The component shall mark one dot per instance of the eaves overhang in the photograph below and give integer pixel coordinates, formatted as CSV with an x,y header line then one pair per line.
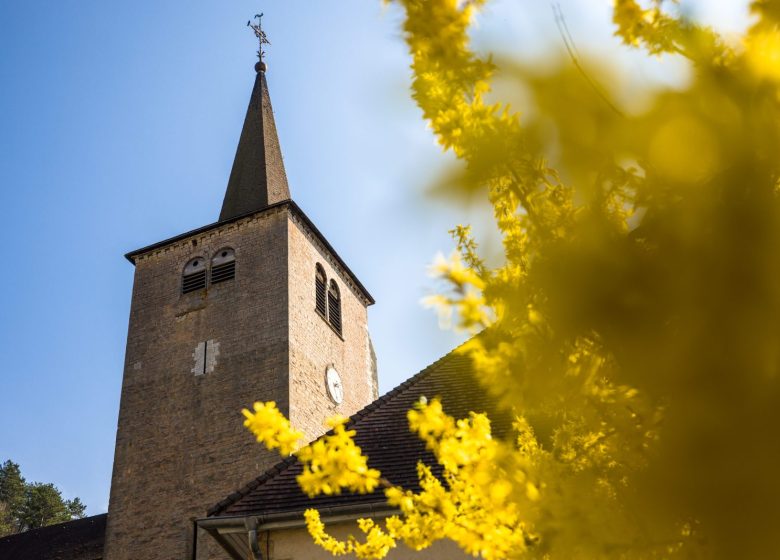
x,y
238,535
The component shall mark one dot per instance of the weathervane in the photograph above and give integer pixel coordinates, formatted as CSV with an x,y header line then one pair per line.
x,y
260,34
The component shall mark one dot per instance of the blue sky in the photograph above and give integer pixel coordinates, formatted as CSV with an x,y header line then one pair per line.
x,y
118,125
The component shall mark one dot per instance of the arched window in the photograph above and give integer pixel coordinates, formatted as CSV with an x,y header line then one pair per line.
x,y
194,276
320,281
334,306
223,265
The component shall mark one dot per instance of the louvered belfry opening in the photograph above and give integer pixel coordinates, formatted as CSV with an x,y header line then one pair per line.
x,y
334,306
223,266
194,276
320,282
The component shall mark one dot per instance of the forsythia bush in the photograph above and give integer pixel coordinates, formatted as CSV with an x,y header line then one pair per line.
x,y
634,327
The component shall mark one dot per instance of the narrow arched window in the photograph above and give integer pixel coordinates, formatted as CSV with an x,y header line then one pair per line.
x,y
194,276
319,289
334,306
223,265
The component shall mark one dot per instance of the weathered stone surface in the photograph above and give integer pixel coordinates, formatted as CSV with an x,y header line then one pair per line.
x,y
314,345
181,446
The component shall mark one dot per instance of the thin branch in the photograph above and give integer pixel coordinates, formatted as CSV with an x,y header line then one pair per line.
x,y
571,48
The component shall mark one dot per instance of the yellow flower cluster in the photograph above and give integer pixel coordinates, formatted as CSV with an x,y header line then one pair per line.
x,y
475,504
661,33
377,544
762,43
271,427
632,328
471,503
334,462
466,300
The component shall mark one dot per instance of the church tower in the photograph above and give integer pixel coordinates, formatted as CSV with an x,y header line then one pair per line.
x,y
257,306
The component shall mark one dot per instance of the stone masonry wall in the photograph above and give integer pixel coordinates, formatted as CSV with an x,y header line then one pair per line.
x,y
181,446
314,345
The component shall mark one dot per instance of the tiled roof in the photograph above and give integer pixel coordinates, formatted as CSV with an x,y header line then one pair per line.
x,y
383,435
81,539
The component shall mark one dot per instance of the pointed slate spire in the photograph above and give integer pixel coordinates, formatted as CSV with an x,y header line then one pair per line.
x,y
258,178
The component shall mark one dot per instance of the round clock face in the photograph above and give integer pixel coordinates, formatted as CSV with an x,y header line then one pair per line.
x,y
333,382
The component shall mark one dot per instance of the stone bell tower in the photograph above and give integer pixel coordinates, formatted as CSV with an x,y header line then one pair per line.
x,y
257,306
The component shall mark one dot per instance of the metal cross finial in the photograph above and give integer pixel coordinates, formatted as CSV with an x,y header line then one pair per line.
x,y
260,34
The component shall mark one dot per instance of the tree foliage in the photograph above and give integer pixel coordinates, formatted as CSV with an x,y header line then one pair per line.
x,y
30,505
634,325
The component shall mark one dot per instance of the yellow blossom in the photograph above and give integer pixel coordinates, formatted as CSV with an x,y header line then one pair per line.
x,y
271,428
334,462
632,327
763,53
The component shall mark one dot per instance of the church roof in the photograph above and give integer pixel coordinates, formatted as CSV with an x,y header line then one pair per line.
x,y
382,432
81,539
257,179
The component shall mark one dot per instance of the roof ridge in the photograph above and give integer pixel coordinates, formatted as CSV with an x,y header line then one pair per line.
x,y
351,421
31,532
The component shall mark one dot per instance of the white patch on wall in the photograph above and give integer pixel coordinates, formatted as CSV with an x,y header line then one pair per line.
x,y
205,357
372,376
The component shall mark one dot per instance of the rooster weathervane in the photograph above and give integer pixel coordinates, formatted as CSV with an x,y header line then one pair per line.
x,y
260,34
